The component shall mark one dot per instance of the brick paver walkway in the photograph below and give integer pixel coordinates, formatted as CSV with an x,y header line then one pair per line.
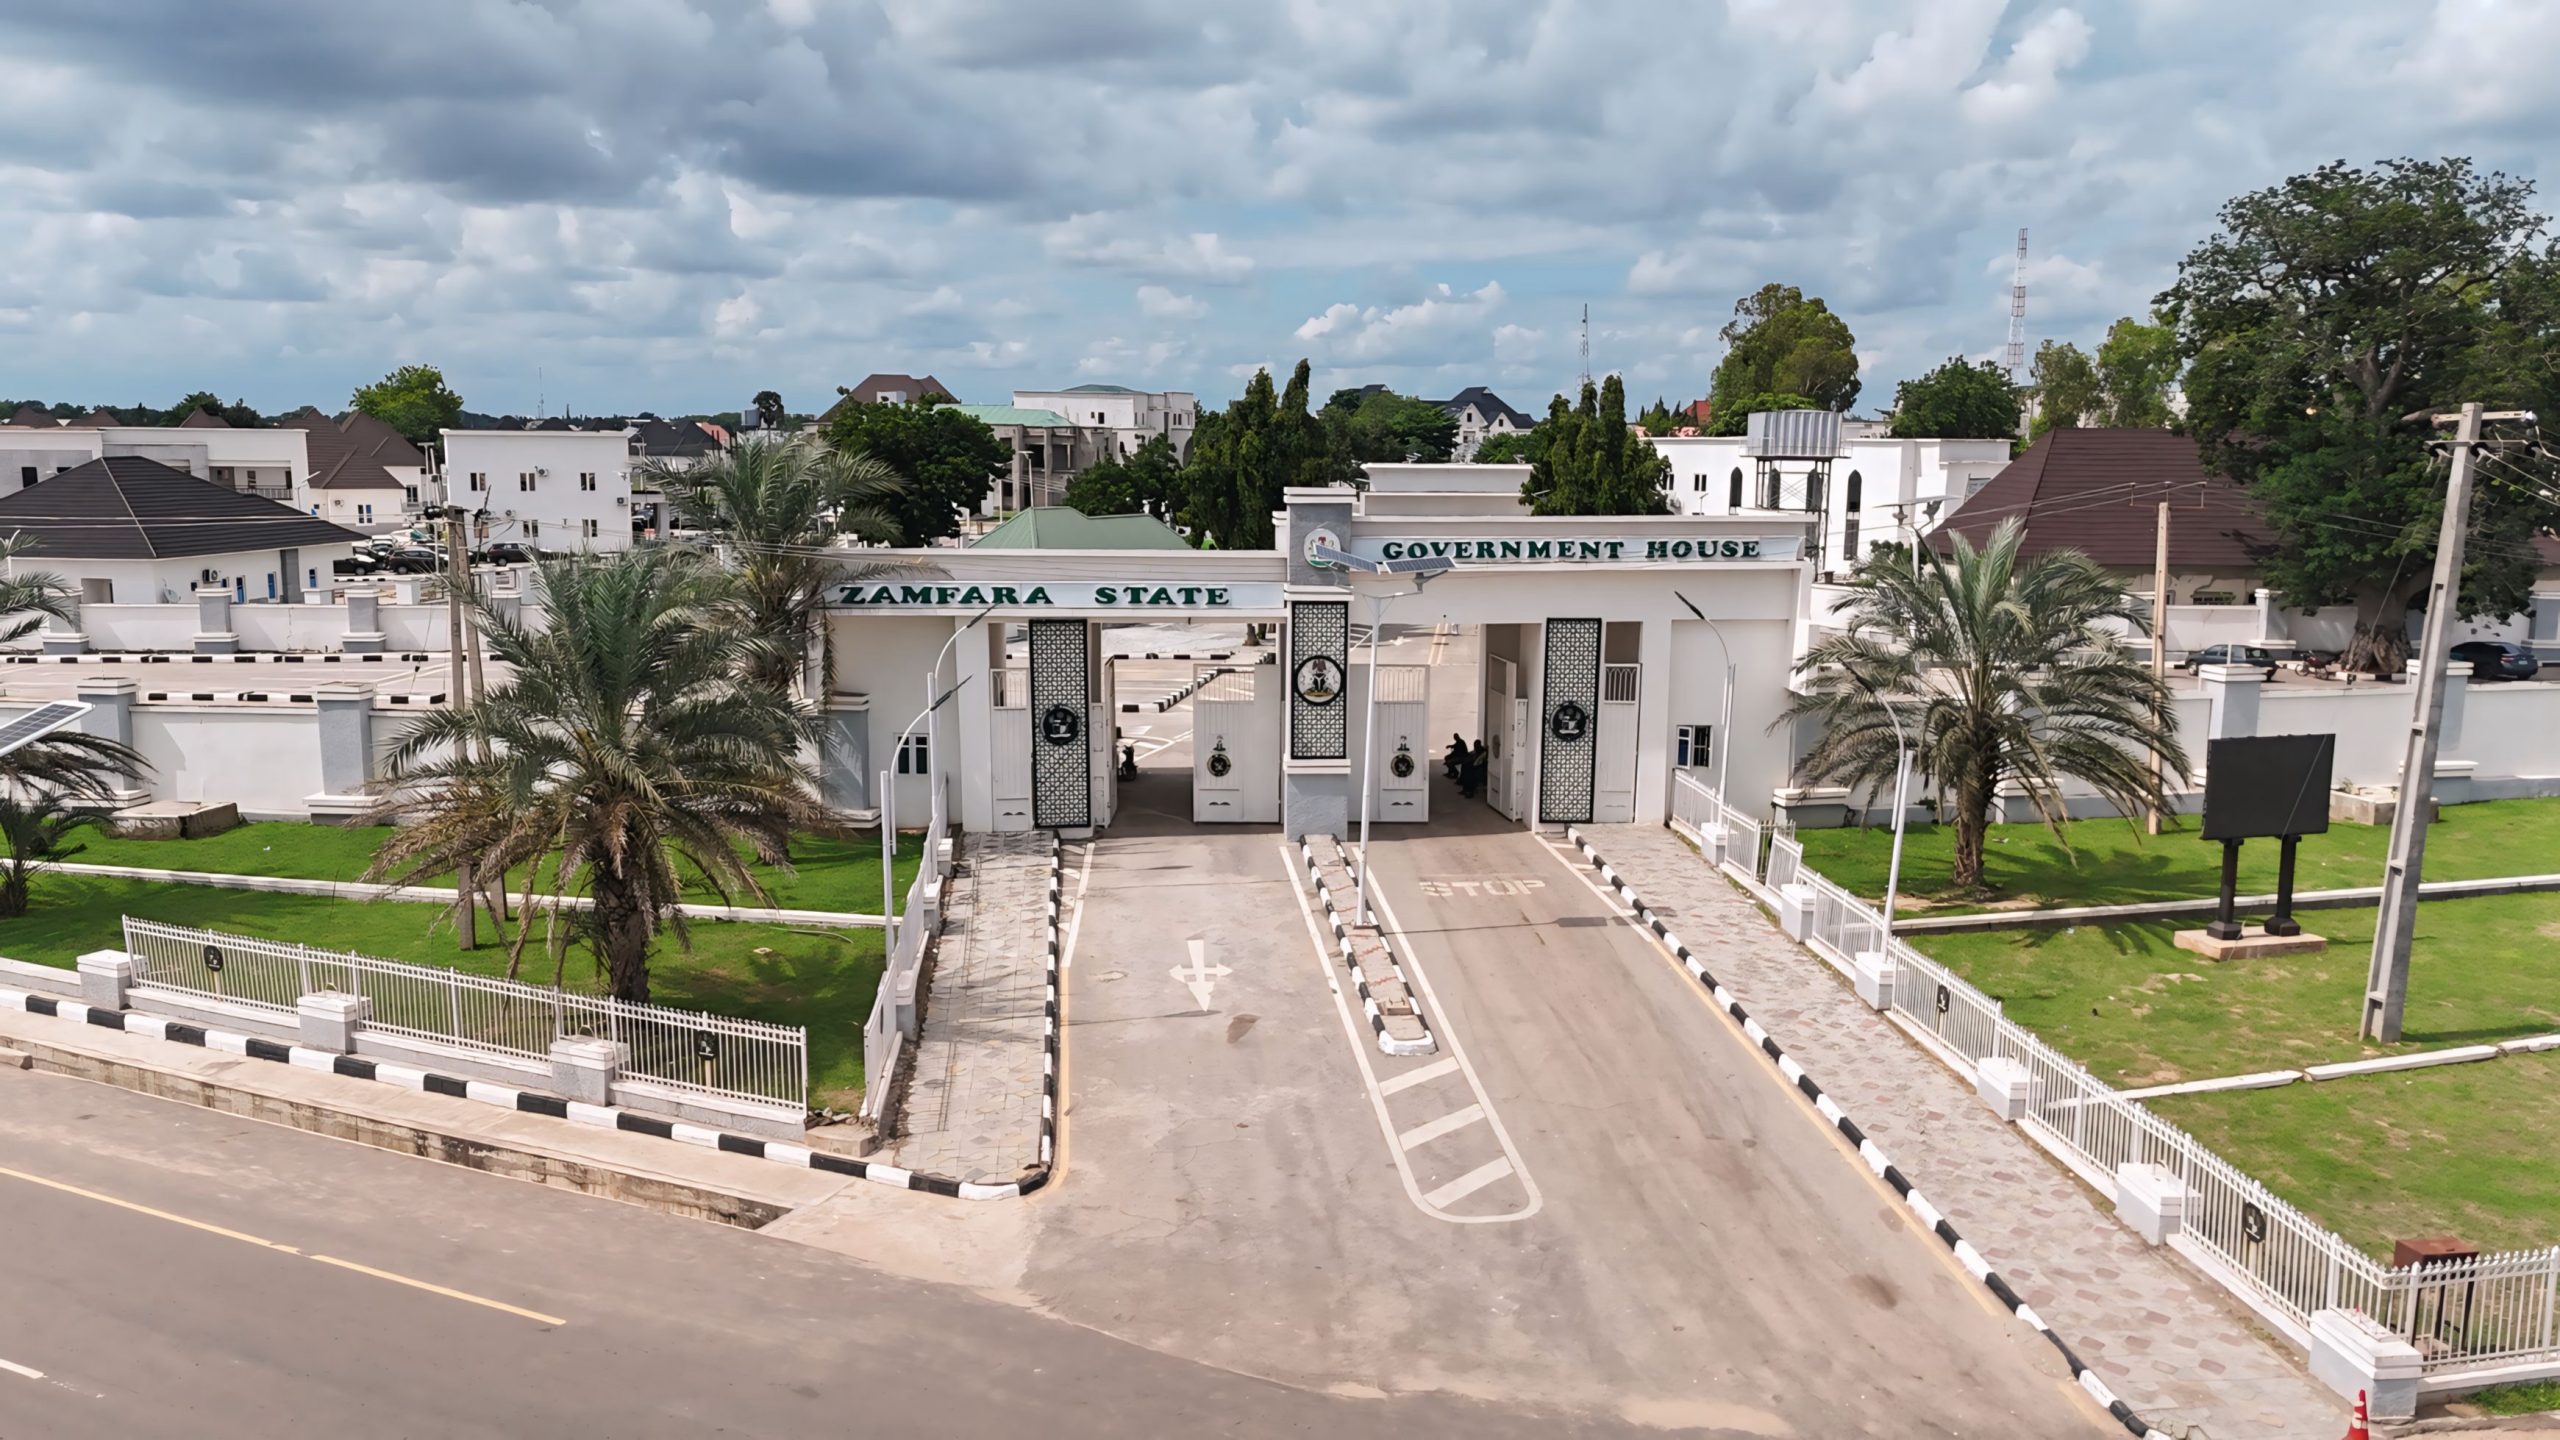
x,y
973,1108
2164,1337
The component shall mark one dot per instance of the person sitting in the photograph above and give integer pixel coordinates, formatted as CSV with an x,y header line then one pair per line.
x,y
1471,777
1456,760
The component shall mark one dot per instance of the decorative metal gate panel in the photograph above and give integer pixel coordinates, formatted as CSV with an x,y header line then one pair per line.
x,y
1061,704
1319,678
1569,735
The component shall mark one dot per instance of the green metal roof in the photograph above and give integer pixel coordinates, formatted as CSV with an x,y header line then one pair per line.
x,y
1055,527
1011,415
1097,390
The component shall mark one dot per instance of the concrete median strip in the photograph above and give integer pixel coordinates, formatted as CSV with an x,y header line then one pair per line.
x,y
607,1117
1868,1151
1391,1044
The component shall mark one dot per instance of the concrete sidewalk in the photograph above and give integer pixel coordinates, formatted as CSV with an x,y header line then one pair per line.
x,y
661,1174
2163,1337
972,1110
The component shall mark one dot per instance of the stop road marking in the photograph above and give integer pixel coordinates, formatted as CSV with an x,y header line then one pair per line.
x,y
1489,885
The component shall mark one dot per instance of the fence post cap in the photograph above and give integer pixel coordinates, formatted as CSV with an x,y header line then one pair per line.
x,y
104,962
589,1050
334,1005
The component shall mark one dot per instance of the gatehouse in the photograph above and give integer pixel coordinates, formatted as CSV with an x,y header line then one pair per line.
x,y
1597,654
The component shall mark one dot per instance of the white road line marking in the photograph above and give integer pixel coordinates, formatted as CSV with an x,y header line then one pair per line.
x,y
1469,1183
14,1368
1358,1036
1075,927
1430,1130
1411,1078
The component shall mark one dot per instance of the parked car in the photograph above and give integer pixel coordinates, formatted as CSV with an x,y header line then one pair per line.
x,y
2497,659
2231,655
507,552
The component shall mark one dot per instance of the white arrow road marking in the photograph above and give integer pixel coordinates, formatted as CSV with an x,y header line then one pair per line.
x,y
1200,976
15,1368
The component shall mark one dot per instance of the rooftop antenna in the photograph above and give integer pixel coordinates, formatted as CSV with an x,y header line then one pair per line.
x,y
1586,344
2018,310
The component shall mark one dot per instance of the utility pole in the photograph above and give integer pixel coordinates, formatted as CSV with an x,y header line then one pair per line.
x,y
2386,987
466,911
2159,637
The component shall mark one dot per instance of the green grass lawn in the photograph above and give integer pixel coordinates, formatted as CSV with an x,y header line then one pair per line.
x,y
2122,999
2531,1399
2468,1150
2111,862
827,873
821,979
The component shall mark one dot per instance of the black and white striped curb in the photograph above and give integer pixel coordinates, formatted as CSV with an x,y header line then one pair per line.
x,y
1868,1151
255,657
281,697
1162,704
603,1117
1360,978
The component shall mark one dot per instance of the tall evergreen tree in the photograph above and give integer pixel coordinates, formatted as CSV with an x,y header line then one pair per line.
x,y
1592,463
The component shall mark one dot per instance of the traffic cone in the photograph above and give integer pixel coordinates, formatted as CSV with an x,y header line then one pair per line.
x,y
2356,1427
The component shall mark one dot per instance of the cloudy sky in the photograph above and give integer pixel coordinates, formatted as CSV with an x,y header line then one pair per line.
x,y
670,204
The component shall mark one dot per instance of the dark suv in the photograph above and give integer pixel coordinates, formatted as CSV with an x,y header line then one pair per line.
x,y
2497,660
2231,655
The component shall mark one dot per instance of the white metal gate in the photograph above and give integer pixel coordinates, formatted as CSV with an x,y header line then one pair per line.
x,y
1613,795
1010,733
1235,746
1503,779
1403,745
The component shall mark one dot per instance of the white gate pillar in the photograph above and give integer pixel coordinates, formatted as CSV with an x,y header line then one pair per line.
x,y
1653,725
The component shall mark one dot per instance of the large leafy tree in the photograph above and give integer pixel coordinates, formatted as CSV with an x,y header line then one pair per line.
x,y
1148,482
1960,400
1735,419
2323,314
2001,670
628,752
2137,371
413,400
1363,426
947,458
769,409
1782,343
1511,447
775,508
1592,463
1244,456
2065,383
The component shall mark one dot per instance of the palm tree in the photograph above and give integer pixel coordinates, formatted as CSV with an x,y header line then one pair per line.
x,y
28,597
778,505
2002,670
631,752
48,789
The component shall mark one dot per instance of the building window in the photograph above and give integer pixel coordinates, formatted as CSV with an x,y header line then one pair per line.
x,y
253,479
914,757
314,582
586,480
524,480
1700,483
240,589
26,474
1857,491
479,480
593,529
1733,485
1849,540
533,529
1695,746
222,473
364,514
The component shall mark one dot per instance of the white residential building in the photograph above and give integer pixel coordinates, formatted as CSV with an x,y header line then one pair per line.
x,y
1870,491
1132,416
271,464
555,489
1481,415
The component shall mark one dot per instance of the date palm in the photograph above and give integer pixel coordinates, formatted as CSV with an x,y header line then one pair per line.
x,y
630,754
2002,670
27,597
49,788
775,508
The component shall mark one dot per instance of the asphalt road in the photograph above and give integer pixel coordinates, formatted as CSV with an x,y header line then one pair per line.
x,y
162,1275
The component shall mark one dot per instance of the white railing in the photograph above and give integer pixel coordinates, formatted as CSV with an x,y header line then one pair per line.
x,y
2496,1308
684,1049
1696,806
884,1033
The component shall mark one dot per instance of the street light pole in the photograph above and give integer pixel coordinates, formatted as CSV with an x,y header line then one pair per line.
x,y
1901,783
1724,709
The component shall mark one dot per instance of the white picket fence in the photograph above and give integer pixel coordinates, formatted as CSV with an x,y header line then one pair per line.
x,y
2496,1310
884,1036
1696,806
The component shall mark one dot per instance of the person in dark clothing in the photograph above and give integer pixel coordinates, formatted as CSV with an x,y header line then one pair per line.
x,y
1456,760
1471,775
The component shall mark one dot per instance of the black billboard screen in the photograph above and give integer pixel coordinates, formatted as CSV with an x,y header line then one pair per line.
x,y
2267,785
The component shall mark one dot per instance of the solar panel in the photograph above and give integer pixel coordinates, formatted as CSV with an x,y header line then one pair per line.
x,y
40,722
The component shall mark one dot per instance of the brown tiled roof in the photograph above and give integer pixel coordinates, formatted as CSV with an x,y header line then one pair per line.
x,y
203,420
913,386
350,454
30,415
2098,492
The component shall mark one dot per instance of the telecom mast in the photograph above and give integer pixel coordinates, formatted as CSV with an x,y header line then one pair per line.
x,y
1586,344
2018,311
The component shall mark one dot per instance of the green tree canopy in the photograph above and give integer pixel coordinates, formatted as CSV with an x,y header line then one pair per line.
x,y
1736,420
770,413
1244,456
1591,464
1781,343
2065,384
1960,400
947,459
2137,368
413,400
1149,482
1366,426
1657,418
2325,310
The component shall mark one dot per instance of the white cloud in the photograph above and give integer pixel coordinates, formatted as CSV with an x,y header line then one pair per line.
x,y
1411,333
736,317
1095,239
2031,77
943,301
1158,303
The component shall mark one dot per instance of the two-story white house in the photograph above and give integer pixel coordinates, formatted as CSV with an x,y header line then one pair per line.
x,y
1869,490
270,464
556,489
1481,415
1132,416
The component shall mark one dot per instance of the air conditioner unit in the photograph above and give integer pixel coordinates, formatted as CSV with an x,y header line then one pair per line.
x,y
621,501
211,576
508,514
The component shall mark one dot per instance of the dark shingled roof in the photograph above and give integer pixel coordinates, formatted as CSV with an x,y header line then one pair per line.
x,y
32,415
2099,492
1491,406
350,453
128,508
203,420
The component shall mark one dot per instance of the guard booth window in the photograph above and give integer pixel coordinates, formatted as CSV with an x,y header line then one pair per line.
x,y
913,756
1696,746
1733,501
